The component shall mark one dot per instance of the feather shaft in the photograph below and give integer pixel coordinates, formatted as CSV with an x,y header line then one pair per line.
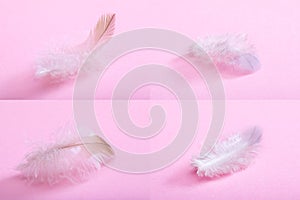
x,y
72,159
64,63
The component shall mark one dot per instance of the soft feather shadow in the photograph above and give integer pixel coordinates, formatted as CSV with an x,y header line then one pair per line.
x,y
26,86
15,187
187,177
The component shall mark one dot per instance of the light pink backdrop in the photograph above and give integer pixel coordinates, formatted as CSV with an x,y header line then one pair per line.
x,y
273,26
274,175
26,27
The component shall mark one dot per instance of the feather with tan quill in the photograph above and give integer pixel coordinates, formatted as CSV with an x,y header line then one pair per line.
x,y
69,158
62,63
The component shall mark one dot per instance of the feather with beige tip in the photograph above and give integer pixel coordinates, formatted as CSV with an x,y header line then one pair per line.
x,y
62,63
69,158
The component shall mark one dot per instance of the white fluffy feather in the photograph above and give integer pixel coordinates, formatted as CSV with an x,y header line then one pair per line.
x,y
232,54
64,62
65,159
60,63
229,156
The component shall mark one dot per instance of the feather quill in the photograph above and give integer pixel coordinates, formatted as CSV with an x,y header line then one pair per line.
x,y
64,62
233,55
231,155
70,158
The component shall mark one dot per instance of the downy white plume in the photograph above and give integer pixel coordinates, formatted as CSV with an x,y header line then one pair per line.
x,y
70,158
231,155
233,55
64,62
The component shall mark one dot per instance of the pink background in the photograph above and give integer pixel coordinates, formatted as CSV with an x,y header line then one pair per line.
x,y
273,175
28,26
268,98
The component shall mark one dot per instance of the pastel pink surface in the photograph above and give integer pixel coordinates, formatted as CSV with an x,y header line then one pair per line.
x,y
27,26
273,175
